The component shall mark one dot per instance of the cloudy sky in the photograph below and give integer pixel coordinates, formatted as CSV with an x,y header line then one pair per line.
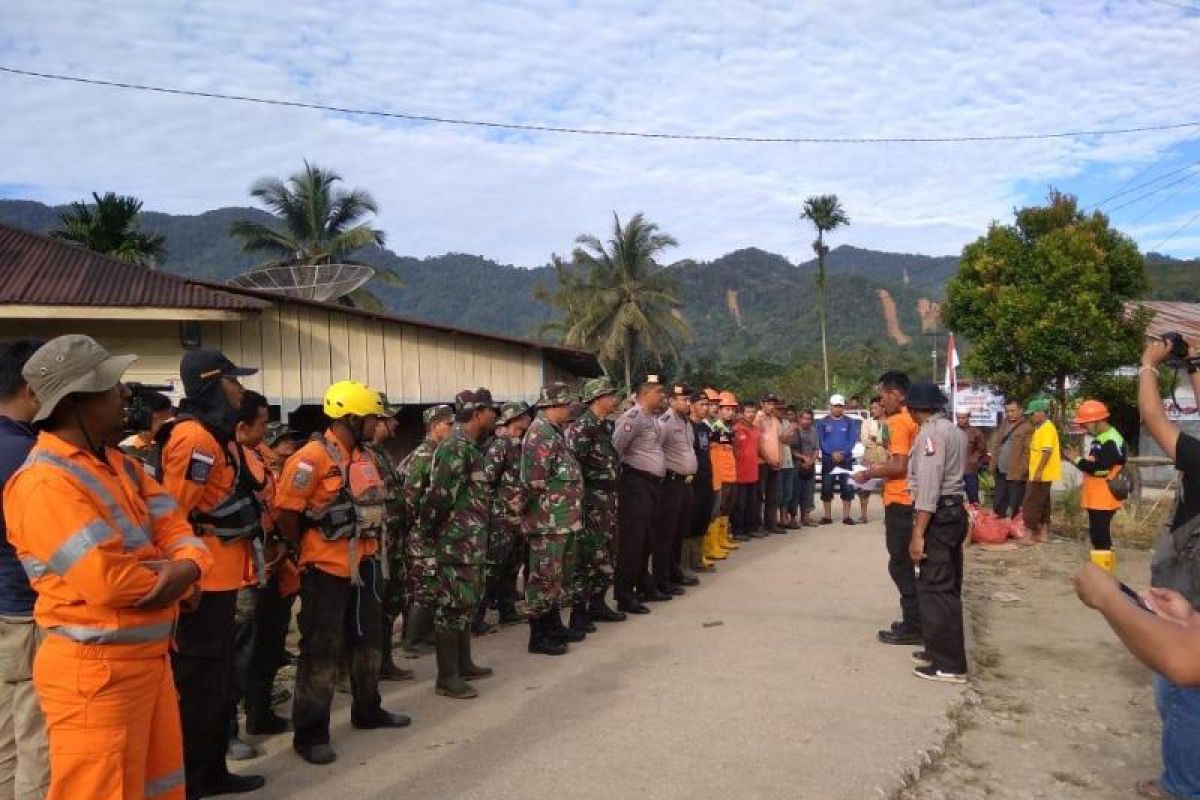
x,y
800,68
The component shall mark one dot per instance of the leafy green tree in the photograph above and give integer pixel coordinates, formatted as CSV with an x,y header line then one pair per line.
x,y
109,226
826,214
617,300
320,224
1044,299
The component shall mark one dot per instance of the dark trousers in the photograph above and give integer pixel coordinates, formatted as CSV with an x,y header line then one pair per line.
x,y
705,505
1009,496
939,589
745,498
672,518
898,525
1100,529
637,498
768,487
806,491
204,677
789,499
971,486
263,618
337,618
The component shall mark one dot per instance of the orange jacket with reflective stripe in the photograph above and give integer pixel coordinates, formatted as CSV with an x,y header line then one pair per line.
x,y
310,480
82,528
191,445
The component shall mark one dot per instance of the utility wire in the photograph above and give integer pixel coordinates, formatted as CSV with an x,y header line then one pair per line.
x,y
1150,193
1184,6
1124,191
1186,187
1175,233
512,126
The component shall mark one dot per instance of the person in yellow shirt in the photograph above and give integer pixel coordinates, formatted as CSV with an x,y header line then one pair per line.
x,y
1045,467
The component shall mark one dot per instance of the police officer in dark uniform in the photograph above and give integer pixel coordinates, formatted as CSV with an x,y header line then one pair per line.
x,y
675,498
935,480
637,438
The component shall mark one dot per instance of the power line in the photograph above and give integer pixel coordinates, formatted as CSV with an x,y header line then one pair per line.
x,y
1150,193
1173,4
1123,191
1186,187
512,126
1175,233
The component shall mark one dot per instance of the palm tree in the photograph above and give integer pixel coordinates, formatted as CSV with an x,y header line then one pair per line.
x,y
322,224
110,227
624,302
825,212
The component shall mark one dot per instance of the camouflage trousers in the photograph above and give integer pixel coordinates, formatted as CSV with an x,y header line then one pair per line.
x,y
457,591
549,571
503,536
593,562
419,587
395,586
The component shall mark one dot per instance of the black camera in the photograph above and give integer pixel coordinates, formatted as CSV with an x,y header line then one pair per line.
x,y
144,400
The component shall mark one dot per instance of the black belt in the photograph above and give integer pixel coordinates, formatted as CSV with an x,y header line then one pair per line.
x,y
678,476
947,500
641,473
600,484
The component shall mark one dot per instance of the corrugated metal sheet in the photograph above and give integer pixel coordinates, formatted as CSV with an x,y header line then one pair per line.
x,y
38,270
1174,316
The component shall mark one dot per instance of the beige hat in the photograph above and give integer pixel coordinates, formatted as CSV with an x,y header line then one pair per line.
x,y
69,364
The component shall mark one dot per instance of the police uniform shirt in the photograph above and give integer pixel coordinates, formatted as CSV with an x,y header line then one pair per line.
x,y
637,437
935,465
678,444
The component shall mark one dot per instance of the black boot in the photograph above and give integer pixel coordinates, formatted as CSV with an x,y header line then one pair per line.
x,y
450,682
263,721
598,610
417,627
580,620
466,667
560,632
509,614
388,670
480,626
539,640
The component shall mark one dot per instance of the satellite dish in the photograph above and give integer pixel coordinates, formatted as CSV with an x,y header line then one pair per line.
x,y
320,282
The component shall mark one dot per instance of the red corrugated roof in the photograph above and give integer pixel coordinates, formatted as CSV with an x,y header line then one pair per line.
x,y
38,270
1170,315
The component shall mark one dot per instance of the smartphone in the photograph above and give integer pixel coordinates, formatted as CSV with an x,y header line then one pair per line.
x,y
1134,596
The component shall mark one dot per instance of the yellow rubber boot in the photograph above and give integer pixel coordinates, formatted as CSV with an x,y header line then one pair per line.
x,y
725,539
718,536
711,551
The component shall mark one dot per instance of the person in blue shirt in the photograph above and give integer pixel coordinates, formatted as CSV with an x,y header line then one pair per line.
x,y
25,768
837,434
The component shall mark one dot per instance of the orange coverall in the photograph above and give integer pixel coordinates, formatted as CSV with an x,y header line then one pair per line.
x,y
82,528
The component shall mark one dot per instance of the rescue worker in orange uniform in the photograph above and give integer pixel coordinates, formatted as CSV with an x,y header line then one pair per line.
x,y
1104,460
200,463
331,504
111,556
264,608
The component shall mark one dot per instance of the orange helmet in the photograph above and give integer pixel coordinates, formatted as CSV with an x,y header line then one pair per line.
x,y
712,395
728,400
1091,411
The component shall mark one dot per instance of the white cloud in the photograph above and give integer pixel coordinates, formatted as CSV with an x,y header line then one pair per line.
x,y
755,68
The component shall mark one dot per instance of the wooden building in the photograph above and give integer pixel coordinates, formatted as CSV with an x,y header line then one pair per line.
x,y
48,288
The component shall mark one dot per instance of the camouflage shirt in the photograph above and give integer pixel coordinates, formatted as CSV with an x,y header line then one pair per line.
x,y
590,441
552,480
394,487
457,505
502,466
414,472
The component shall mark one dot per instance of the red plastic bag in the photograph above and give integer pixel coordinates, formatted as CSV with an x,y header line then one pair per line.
x,y
990,529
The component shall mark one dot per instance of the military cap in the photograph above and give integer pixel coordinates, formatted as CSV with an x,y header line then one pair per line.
x,y
436,413
470,400
513,409
555,394
597,388
925,396
771,397
680,390
699,397
278,431
390,409
652,380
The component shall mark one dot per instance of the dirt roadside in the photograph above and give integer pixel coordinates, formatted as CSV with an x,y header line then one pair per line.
x,y
1059,709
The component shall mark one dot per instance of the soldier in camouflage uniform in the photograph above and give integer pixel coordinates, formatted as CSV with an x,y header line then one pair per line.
x,y
554,517
590,441
502,466
418,586
453,515
391,550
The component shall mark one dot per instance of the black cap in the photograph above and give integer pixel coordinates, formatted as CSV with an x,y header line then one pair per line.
x,y
698,397
680,390
198,367
925,396
771,397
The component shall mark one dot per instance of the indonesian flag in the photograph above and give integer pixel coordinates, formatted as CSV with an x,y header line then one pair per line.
x,y
952,363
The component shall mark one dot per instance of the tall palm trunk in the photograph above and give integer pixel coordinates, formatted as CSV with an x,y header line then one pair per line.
x,y
821,303
628,361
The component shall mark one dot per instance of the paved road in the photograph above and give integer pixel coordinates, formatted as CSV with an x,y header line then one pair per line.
x,y
765,682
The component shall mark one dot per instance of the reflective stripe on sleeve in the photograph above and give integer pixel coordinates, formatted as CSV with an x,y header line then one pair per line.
x,y
33,567
161,505
136,634
78,545
160,786
134,535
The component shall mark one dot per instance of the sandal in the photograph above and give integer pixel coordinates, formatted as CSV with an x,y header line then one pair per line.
x,y
1150,788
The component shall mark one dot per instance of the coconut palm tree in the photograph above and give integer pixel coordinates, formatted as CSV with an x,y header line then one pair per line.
x,y
110,227
622,303
321,224
825,212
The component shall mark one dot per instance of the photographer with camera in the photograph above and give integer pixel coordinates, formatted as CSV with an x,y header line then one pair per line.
x,y
148,409
1167,641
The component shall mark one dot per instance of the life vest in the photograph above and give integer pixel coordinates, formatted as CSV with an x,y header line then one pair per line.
x,y
239,515
359,509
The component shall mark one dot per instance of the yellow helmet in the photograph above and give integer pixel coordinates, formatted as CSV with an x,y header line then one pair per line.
x,y
352,397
